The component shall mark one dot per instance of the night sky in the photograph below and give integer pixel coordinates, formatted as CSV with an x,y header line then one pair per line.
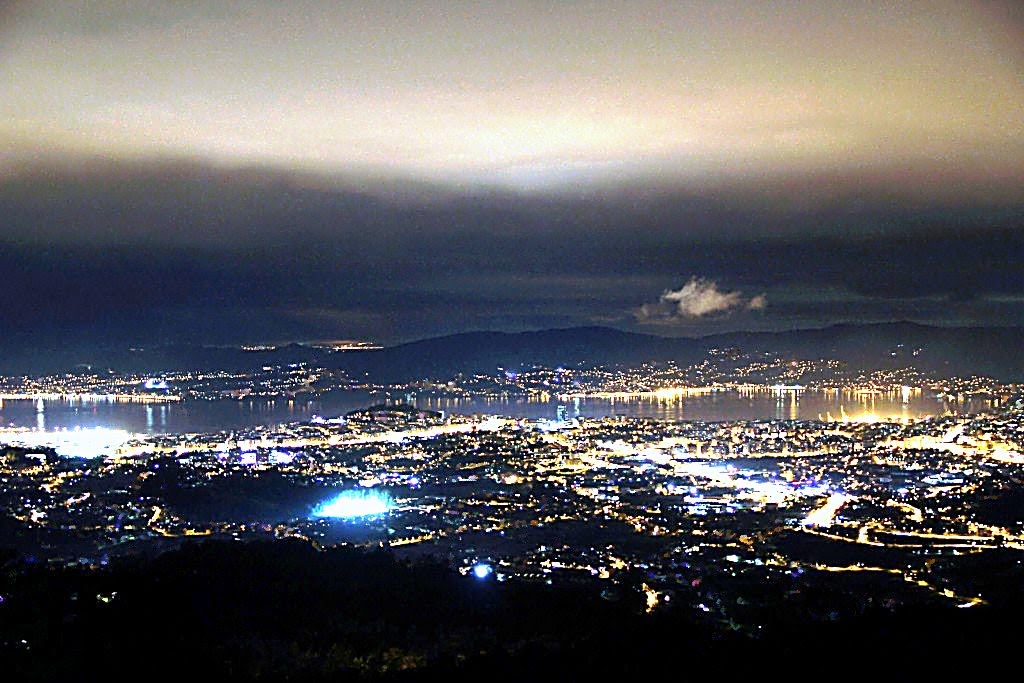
x,y
248,172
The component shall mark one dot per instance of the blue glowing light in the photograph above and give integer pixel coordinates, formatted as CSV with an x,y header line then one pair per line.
x,y
354,504
482,571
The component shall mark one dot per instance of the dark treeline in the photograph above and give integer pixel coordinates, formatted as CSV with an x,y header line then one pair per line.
x,y
286,611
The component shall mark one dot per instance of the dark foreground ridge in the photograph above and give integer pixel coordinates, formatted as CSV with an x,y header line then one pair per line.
x,y
285,610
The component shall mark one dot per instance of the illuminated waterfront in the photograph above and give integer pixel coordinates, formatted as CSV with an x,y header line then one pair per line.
x,y
173,418
201,416
713,406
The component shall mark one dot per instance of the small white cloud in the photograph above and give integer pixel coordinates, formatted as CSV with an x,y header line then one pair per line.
x,y
698,298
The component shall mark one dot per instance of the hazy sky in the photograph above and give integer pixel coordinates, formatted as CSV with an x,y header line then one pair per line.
x,y
398,169
525,93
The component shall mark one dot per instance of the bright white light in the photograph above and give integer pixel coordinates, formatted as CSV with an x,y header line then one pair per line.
x,y
482,571
281,457
824,515
73,443
354,504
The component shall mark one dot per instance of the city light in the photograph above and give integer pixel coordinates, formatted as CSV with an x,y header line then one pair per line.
x,y
281,458
354,504
72,443
823,516
482,571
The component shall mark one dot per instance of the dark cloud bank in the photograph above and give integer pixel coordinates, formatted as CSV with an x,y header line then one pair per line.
x,y
108,253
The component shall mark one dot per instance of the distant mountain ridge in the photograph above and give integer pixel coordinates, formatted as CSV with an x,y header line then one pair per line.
x,y
998,352
963,351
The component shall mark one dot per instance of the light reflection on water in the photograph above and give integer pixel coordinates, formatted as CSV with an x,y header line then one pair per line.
x,y
206,416
723,405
